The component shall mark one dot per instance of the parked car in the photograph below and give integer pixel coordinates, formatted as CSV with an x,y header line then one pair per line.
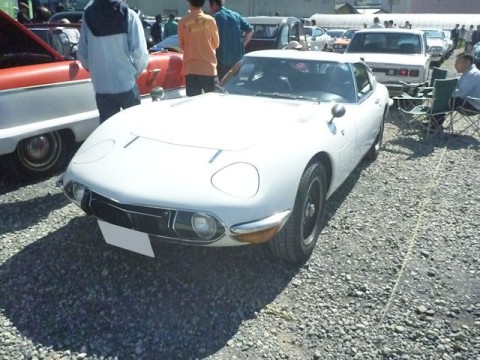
x,y
47,100
395,55
73,16
317,38
275,32
58,37
334,35
448,38
169,43
341,44
247,178
437,45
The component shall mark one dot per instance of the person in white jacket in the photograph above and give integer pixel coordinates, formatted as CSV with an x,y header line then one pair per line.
x,y
113,49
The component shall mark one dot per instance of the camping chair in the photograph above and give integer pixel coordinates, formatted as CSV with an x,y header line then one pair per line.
x,y
414,94
423,89
437,106
466,118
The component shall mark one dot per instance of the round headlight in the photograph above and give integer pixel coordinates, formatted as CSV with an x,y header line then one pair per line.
x,y
204,225
78,191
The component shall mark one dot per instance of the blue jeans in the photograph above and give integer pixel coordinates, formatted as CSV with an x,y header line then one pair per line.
x,y
110,104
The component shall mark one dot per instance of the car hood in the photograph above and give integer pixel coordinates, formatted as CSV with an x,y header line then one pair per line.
x,y
396,60
173,148
217,121
342,41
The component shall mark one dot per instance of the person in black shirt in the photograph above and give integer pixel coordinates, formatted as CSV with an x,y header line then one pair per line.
x,y
22,15
156,30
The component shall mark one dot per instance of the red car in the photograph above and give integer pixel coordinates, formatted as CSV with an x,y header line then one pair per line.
x,y
47,99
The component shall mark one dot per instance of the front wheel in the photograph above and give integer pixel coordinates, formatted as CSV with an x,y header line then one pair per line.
x,y
42,154
296,241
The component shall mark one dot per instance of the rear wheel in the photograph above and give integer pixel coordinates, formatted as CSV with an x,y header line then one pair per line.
x,y
43,154
296,241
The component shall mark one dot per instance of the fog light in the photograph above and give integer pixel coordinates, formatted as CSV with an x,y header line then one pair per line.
x,y
204,225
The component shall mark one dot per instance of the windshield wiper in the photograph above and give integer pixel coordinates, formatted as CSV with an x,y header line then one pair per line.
x,y
286,96
220,89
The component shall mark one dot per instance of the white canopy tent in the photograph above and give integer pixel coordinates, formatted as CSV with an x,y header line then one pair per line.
x,y
433,21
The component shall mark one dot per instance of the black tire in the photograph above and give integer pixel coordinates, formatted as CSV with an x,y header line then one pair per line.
x,y
374,150
296,241
43,154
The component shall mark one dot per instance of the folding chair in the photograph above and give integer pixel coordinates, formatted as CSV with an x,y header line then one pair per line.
x,y
425,88
429,110
414,94
466,118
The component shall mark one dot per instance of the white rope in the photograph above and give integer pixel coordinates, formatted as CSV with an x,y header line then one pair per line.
x,y
413,239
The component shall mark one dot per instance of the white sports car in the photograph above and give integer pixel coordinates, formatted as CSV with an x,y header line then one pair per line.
x,y
252,163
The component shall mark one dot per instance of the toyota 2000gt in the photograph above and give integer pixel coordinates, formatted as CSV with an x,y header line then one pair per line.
x,y
214,170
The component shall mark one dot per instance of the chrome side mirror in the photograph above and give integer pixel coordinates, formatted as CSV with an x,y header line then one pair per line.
x,y
338,110
157,93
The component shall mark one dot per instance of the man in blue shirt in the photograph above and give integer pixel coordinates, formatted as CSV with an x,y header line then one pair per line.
x,y
235,33
468,86
113,49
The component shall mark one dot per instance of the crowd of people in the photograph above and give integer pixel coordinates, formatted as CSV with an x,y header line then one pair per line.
x,y
465,38
112,48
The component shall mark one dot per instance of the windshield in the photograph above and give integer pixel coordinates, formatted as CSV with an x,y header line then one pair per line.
x,y
313,31
265,31
348,34
335,33
386,43
433,34
309,80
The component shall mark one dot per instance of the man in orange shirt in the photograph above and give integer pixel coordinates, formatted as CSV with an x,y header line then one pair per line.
x,y
198,38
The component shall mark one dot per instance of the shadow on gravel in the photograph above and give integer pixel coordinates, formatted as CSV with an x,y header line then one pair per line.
x,y
339,196
71,291
413,147
11,179
13,218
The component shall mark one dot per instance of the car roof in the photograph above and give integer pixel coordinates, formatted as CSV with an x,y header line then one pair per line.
x,y
390,30
73,16
305,55
270,20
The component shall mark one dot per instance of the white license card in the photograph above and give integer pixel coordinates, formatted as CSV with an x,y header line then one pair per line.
x,y
128,239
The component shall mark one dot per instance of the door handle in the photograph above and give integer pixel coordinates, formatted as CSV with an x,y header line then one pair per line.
x,y
152,75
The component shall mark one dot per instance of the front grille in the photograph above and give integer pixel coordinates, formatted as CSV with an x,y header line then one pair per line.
x,y
153,221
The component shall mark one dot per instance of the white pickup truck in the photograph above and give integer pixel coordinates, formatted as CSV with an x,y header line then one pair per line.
x,y
394,55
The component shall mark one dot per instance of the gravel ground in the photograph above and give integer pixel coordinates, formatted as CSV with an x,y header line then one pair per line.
x,y
395,275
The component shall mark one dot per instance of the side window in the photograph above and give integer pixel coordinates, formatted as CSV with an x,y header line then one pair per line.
x,y
283,36
301,32
294,32
364,84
